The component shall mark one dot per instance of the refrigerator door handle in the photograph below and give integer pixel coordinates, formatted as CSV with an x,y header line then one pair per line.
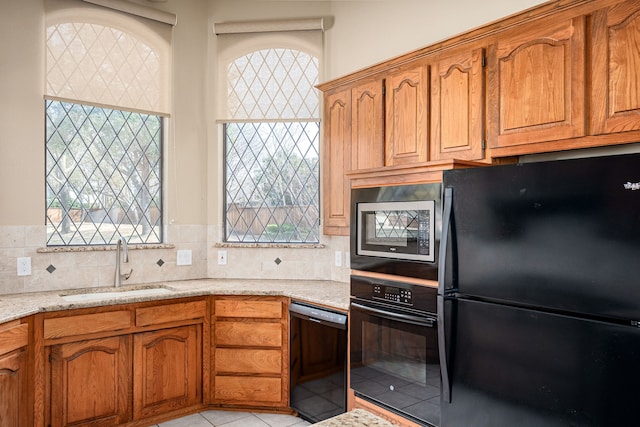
x,y
444,238
442,342
442,353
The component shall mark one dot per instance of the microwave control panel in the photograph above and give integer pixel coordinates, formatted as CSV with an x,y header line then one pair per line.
x,y
393,293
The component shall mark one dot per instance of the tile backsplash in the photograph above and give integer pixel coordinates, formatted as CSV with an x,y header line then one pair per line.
x,y
85,267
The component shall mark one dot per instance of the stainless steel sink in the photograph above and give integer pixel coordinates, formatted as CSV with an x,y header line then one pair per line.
x,y
116,293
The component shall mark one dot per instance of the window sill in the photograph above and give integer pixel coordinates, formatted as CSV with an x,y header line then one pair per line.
x,y
58,249
270,245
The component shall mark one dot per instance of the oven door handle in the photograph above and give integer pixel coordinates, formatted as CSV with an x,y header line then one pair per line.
x,y
407,318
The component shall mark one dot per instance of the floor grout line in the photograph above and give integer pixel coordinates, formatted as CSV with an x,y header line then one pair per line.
x,y
219,418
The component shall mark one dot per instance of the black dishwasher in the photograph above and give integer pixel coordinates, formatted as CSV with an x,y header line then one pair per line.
x,y
318,361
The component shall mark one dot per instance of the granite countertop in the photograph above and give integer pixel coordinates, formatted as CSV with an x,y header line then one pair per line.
x,y
355,418
327,293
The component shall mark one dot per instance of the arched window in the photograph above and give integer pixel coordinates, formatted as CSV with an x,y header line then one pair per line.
x,y
107,86
271,139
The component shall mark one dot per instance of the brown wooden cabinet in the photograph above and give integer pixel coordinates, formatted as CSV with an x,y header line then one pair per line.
x,y
457,106
562,75
353,139
15,410
367,125
90,382
537,84
336,160
109,366
407,115
167,370
250,357
615,68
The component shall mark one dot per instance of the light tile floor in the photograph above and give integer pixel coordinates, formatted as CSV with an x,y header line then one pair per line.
x,y
235,419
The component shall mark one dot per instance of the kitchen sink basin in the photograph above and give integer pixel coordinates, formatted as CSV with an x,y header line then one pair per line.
x,y
90,296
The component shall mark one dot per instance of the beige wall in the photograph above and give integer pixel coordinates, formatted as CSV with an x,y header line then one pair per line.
x,y
366,32
21,113
359,34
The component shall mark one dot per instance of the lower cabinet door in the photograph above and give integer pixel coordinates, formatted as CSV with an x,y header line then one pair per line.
x,y
90,382
12,373
167,370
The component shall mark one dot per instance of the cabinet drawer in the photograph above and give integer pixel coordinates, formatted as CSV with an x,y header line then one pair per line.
x,y
87,324
248,389
13,336
170,313
244,308
248,361
248,334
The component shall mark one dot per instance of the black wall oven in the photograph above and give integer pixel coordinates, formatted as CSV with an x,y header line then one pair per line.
x,y
396,230
394,347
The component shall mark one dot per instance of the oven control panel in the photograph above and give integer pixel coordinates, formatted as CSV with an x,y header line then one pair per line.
x,y
393,293
402,294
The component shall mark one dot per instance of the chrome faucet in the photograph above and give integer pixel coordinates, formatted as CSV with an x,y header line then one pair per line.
x,y
122,243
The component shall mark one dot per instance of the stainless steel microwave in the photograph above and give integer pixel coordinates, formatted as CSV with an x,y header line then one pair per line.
x,y
396,229
400,230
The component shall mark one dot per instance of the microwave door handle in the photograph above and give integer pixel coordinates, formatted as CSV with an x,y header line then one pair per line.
x,y
407,318
442,342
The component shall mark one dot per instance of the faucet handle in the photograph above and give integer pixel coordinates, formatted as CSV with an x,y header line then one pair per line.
x,y
125,276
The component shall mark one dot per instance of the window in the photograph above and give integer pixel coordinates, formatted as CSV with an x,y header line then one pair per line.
x,y
105,100
103,175
272,148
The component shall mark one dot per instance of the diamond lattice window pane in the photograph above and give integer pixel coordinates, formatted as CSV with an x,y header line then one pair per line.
x,y
272,183
103,175
271,156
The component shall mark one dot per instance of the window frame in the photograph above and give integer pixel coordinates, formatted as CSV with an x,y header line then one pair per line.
x,y
282,230
120,225
295,49
152,35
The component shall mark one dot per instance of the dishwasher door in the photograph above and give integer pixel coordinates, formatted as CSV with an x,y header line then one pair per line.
x,y
318,361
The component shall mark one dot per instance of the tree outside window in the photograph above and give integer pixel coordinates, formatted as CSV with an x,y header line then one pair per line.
x,y
272,148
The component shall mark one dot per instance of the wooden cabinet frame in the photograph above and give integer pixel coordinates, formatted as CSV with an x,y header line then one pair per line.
x,y
250,352
135,351
562,75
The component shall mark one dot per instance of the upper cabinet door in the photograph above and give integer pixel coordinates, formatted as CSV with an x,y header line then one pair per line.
x,y
367,132
537,84
407,102
615,64
336,160
457,107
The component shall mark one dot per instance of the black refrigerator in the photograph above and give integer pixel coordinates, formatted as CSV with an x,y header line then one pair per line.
x,y
539,294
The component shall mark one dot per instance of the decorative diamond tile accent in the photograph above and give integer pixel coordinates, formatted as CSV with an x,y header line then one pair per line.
x,y
51,268
160,262
277,261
